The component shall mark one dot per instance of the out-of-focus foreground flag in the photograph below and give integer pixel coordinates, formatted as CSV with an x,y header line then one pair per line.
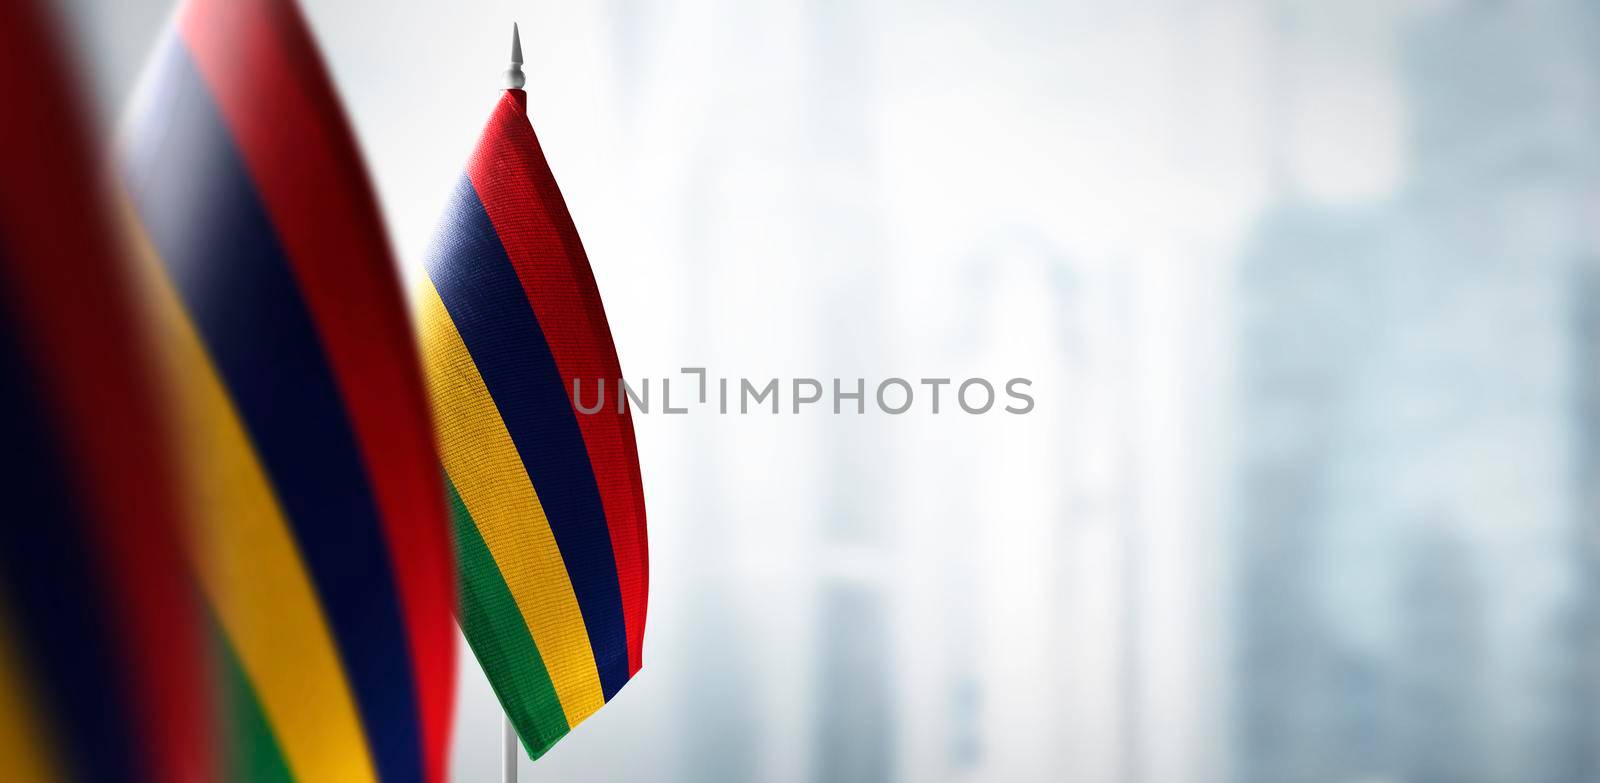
x,y
548,509
324,550
102,671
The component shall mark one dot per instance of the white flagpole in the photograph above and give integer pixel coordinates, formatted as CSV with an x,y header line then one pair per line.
x,y
513,75
508,733
508,750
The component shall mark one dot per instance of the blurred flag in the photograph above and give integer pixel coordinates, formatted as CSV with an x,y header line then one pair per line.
x,y
548,508
323,549
102,672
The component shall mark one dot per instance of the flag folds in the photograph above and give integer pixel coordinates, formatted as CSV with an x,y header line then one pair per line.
x,y
101,659
322,543
548,507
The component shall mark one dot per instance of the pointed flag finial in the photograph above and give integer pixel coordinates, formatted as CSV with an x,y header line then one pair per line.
x,y
514,77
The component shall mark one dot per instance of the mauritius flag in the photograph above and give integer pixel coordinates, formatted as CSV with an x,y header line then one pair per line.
x,y
323,549
102,673
549,516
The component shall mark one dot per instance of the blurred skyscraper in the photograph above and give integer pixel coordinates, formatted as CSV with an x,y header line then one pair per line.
x,y
854,711
1579,635
1415,454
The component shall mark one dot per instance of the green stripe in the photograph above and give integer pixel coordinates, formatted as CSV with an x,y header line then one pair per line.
x,y
251,749
499,637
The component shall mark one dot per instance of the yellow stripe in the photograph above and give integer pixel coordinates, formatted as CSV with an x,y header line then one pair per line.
x,y
24,747
483,463
249,565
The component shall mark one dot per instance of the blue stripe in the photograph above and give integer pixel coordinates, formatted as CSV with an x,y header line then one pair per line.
x,y
196,200
52,588
485,299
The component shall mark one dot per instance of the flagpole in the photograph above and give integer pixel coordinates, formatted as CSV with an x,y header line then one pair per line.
x,y
514,80
508,750
513,76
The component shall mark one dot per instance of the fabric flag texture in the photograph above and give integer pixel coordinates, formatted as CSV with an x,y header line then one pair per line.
x,y
548,508
323,550
102,668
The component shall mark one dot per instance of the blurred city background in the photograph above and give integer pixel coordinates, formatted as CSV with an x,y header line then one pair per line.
x,y
1310,294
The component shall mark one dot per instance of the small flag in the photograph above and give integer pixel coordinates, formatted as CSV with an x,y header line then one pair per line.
x,y
549,515
102,668
323,551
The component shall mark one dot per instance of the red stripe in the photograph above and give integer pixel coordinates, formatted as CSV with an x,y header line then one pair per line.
x,y
510,174
67,282
260,63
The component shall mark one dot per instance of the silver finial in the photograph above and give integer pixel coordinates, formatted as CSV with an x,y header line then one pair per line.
x,y
514,78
